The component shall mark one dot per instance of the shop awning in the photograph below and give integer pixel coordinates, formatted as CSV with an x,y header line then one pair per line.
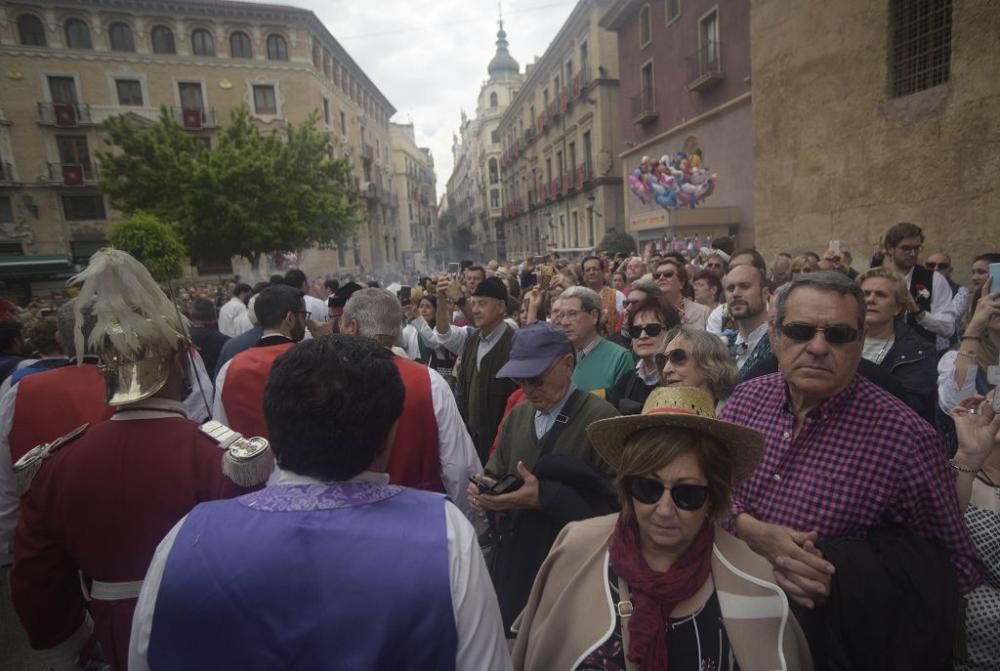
x,y
35,266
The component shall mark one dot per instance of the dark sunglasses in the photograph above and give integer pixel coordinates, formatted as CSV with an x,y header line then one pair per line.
x,y
652,330
931,265
664,275
835,335
678,357
650,490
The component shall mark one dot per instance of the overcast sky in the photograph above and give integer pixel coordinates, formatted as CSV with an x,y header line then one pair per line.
x,y
429,57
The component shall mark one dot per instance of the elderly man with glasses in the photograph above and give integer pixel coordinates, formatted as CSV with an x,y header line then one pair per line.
x,y
844,458
544,472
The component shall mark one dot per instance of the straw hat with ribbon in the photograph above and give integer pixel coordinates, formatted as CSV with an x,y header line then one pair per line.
x,y
682,408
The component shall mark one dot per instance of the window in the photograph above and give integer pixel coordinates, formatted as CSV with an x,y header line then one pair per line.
x,y
326,111
191,96
645,26
493,101
120,36
708,38
31,30
343,123
202,43
673,10
495,198
11,248
77,35
6,210
277,48
129,92
264,101
495,137
163,40
82,208
239,45
920,45
73,150
62,90
587,150
572,157
317,56
494,171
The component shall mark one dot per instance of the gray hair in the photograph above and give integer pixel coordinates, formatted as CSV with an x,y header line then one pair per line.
x,y
589,299
829,281
649,287
377,312
66,322
712,357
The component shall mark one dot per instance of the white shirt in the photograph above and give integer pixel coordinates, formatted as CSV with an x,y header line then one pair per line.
x,y
457,453
940,319
648,379
411,342
228,315
714,323
481,642
454,342
318,311
950,392
751,342
426,334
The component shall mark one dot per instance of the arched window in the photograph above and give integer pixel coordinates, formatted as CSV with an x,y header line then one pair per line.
x,y
277,48
163,40
32,30
77,35
202,43
120,36
239,45
493,101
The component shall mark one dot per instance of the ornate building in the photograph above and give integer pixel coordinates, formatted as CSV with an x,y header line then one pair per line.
x,y
560,136
475,192
69,66
415,185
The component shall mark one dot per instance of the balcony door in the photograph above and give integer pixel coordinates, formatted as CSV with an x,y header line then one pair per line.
x,y
191,96
63,90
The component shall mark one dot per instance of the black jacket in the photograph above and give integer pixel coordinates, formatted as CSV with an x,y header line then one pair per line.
x,y
630,394
912,361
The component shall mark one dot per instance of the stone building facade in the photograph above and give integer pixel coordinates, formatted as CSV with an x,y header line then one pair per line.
x,y
69,66
685,83
416,187
561,183
870,113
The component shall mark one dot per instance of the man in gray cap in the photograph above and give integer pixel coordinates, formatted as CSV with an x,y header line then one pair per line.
x,y
544,472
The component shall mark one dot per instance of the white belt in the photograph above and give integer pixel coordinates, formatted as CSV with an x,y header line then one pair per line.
x,y
110,591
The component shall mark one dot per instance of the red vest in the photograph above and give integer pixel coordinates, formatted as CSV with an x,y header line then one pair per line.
x,y
415,460
53,403
243,388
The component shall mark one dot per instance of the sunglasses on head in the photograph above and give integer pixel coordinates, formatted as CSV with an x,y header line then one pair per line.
x,y
649,491
663,275
835,335
652,330
678,357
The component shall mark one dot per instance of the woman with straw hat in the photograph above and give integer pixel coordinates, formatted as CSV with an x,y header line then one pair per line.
x,y
660,583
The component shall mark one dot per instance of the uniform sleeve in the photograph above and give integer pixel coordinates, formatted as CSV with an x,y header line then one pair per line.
x,y
454,342
142,620
8,485
940,320
481,641
458,455
198,403
218,410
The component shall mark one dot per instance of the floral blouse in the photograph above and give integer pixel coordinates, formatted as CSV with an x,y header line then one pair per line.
x,y
696,642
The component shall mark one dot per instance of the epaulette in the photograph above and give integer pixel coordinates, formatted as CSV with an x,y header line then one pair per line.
x,y
248,462
27,466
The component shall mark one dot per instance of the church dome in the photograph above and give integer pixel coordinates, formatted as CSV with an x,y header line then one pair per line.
x,y
503,63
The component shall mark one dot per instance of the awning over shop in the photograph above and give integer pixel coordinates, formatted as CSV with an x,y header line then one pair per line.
x,y
35,267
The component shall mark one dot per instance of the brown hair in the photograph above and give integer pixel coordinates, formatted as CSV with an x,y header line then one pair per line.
x,y
649,450
900,232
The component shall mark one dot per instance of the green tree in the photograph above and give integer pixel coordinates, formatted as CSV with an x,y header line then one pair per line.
x,y
617,241
250,194
155,244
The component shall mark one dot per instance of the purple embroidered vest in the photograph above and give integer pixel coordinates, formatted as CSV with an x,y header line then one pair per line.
x,y
348,575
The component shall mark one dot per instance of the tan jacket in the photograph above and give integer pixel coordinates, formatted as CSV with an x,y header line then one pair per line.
x,y
570,613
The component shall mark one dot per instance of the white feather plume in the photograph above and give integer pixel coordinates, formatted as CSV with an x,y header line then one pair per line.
x,y
132,312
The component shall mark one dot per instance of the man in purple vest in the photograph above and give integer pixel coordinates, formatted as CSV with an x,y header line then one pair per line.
x,y
331,566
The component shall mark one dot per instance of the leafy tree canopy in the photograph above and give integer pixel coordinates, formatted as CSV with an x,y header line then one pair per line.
x,y
153,243
250,194
617,241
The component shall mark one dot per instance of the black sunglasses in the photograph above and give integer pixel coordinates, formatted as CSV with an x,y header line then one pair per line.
x,y
835,335
652,330
649,491
931,265
678,357
663,275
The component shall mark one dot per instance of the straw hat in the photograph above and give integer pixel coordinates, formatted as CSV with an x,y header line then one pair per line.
x,y
683,408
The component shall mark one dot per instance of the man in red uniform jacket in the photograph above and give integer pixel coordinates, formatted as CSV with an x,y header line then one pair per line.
x,y
239,387
433,449
98,504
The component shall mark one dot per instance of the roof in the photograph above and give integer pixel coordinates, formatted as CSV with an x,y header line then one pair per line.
x,y
503,63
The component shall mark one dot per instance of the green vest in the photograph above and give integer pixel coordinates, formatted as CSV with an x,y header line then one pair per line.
x,y
481,396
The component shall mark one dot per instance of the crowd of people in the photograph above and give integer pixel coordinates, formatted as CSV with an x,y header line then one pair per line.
x,y
689,458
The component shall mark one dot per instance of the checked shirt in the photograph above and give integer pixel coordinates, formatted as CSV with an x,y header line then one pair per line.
x,y
862,459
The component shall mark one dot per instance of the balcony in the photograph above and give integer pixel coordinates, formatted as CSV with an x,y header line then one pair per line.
x,y
704,67
194,118
64,115
644,106
73,174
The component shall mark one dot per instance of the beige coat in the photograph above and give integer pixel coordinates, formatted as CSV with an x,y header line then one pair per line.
x,y
570,613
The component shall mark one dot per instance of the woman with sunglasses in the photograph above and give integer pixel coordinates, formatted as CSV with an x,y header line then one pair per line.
x,y
647,326
660,584
672,278
696,358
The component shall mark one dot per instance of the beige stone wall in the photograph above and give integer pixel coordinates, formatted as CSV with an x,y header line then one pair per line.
x,y
837,158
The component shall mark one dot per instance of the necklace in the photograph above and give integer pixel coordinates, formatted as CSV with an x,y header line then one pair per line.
x,y
877,357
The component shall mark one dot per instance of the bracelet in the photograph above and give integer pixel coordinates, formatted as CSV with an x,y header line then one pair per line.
x,y
960,469
976,338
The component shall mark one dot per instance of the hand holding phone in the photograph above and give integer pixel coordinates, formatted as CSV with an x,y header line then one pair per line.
x,y
994,279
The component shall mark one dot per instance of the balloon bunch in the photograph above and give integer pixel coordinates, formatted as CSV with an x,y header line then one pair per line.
x,y
672,182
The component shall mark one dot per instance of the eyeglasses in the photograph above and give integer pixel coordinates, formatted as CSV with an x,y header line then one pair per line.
x,y
835,335
650,491
663,275
931,265
652,330
566,314
678,357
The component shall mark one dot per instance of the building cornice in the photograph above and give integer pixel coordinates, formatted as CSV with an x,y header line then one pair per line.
x,y
619,13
